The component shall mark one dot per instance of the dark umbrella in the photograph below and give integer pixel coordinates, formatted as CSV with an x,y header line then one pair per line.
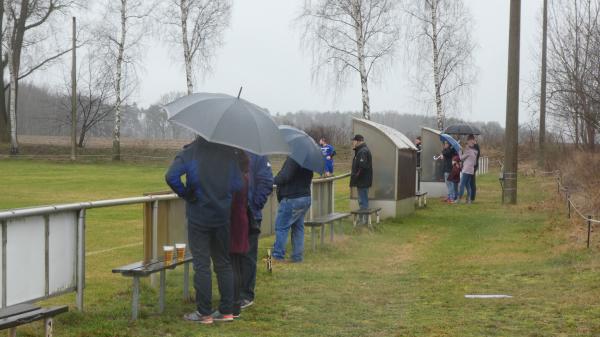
x,y
304,150
447,138
462,129
228,120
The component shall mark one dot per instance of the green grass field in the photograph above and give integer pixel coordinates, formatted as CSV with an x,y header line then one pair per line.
x,y
407,279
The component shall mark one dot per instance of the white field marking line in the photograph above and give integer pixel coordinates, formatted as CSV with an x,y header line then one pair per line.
x,y
112,249
488,296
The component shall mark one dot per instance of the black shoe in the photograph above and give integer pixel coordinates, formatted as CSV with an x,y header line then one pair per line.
x,y
246,304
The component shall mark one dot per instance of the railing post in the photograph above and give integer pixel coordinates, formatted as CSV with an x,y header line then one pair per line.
x,y
569,204
80,258
589,223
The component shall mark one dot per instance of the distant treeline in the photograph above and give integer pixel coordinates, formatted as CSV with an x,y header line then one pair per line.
x,y
44,113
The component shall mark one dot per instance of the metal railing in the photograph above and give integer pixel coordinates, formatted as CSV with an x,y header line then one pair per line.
x,y
18,226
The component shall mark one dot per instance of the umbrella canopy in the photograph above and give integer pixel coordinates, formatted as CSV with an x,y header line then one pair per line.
x,y
462,129
453,142
304,150
228,120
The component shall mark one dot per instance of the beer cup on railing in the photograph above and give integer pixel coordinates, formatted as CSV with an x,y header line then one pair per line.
x,y
168,250
180,248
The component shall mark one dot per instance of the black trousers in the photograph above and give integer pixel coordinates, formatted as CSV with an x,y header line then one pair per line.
x,y
236,265
248,267
474,186
206,244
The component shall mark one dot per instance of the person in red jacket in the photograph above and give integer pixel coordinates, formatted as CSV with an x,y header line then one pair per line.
x,y
239,243
454,176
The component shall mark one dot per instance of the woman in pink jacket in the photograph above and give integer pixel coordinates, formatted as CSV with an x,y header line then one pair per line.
x,y
469,158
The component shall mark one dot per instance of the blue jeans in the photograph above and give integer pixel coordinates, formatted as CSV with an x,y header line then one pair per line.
x,y
449,186
290,215
466,181
363,198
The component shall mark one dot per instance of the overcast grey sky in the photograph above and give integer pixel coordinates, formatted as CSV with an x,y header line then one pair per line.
x,y
262,53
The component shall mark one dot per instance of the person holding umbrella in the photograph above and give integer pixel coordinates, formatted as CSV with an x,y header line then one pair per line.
x,y
293,191
226,125
259,189
208,199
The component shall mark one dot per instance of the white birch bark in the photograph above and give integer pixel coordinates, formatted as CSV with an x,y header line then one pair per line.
x,y
119,77
12,110
360,47
436,66
187,54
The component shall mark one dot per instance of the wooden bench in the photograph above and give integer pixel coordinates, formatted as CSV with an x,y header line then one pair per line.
x,y
321,222
141,269
421,199
368,213
13,316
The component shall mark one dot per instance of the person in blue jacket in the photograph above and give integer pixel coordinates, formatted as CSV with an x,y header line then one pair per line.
x,y
260,187
328,152
212,175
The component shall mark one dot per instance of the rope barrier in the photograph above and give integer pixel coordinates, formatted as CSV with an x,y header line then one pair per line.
x,y
577,210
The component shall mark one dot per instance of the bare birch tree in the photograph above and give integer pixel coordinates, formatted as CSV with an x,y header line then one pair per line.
x,y
120,34
197,28
440,31
350,36
26,25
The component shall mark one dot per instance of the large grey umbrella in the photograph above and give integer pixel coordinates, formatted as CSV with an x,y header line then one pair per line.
x,y
462,129
228,120
304,150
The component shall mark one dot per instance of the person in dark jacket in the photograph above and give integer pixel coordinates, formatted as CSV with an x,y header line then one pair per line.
x,y
259,189
419,145
212,175
362,170
293,193
473,184
447,154
239,231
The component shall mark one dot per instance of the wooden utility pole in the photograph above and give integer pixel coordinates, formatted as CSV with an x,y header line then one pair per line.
x,y
511,150
542,137
74,94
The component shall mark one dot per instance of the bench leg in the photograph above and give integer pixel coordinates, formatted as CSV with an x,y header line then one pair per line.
x,y
313,239
135,298
161,292
354,221
331,232
322,234
378,218
186,282
12,332
48,327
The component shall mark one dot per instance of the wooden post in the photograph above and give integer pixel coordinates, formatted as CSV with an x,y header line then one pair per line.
x,y
542,140
589,223
74,94
512,105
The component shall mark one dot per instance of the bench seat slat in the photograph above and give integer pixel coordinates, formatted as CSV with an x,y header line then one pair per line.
x,y
142,270
326,219
31,316
17,310
366,211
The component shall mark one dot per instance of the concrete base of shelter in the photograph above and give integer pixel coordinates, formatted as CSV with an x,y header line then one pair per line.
x,y
434,189
390,208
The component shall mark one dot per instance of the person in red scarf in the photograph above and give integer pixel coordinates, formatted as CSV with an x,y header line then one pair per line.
x,y
239,243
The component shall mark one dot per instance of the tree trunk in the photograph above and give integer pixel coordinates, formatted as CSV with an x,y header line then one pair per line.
x,y
4,138
187,54
360,47
12,111
542,140
512,105
436,66
121,46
